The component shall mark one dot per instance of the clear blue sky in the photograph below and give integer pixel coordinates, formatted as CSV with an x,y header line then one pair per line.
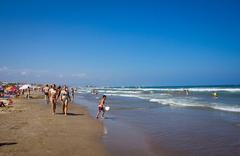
x,y
172,42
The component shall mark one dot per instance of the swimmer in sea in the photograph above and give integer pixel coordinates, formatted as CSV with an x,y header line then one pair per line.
x,y
215,95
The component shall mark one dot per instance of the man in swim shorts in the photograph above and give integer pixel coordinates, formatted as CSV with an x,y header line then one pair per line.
x,y
101,106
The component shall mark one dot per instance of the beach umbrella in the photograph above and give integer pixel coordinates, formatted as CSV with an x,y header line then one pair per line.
x,y
11,88
25,86
1,88
8,88
14,88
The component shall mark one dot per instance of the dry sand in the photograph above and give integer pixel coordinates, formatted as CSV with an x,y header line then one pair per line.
x,y
29,129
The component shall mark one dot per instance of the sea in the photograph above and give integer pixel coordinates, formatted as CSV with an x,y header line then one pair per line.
x,y
175,120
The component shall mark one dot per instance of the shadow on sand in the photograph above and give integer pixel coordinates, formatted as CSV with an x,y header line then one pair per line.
x,y
7,143
71,114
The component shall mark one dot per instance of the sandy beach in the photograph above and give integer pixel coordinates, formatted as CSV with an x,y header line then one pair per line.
x,y
28,128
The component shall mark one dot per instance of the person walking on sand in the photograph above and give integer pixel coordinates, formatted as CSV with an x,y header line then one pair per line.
x,y
65,98
101,105
73,93
46,93
53,98
59,89
28,92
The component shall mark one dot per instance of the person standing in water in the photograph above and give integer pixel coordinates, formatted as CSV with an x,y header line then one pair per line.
x,y
186,92
101,105
65,98
215,95
53,98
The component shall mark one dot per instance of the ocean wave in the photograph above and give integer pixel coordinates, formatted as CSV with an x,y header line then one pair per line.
x,y
168,99
127,95
177,102
215,89
185,103
153,90
194,89
124,95
226,108
83,91
119,91
156,90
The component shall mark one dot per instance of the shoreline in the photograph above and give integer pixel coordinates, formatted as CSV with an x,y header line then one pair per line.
x,y
154,129
28,128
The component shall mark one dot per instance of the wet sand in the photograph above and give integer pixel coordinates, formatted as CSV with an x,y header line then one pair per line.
x,y
28,128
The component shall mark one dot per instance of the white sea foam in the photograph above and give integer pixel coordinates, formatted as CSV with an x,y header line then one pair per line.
x,y
126,95
194,89
167,98
119,92
215,89
186,103
198,89
226,108
189,102
177,102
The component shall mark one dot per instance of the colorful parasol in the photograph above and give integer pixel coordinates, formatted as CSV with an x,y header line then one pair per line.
x,y
11,88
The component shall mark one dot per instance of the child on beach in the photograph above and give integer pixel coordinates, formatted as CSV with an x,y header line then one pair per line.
x,y
101,106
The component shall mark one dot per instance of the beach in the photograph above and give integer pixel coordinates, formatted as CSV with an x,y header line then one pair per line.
x,y
28,128
135,124
120,78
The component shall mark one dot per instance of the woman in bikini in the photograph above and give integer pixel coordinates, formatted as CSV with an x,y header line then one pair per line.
x,y
65,98
53,98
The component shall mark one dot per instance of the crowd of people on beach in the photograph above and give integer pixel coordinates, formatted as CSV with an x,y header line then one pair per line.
x,y
54,95
10,91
